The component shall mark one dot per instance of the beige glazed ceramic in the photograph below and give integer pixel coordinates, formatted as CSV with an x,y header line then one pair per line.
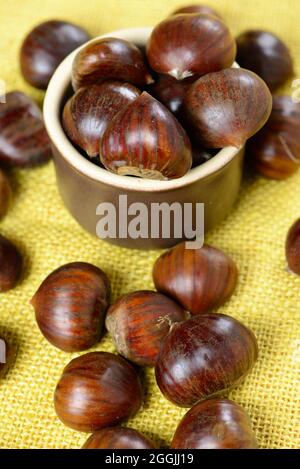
x,y
83,185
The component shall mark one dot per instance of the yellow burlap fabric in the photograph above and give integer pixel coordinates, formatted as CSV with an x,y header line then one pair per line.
x,y
267,298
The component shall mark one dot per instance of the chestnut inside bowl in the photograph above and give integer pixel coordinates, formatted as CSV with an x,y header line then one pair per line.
x,y
84,185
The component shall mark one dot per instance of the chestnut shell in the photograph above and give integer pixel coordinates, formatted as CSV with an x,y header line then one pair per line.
x,y
274,151
90,110
190,9
204,357
215,424
228,107
10,264
24,141
198,279
70,306
97,390
110,59
139,323
190,44
292,248
5,193
118,438
265,54
45,47
146,140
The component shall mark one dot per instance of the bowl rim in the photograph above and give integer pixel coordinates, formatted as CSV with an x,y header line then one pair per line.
x,y
56,90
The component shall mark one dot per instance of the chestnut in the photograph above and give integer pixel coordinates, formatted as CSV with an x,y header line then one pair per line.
x,y
24,141
187,45
87,114
170,92
118,438
70,306
146,140
139,323
265,54
292,248
45,47
110,58
204,9
7,353
97,390
198,279
10,264
204,357
5,193
215,424
228,107
274,151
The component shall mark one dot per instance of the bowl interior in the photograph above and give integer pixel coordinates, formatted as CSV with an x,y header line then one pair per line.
x,y
58,91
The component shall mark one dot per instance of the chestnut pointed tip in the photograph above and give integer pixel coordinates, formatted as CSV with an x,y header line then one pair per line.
x,y
180,75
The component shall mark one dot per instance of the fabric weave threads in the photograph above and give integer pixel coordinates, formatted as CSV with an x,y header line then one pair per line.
x,y
267,298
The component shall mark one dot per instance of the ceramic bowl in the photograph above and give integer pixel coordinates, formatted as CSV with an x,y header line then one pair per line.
x,y
88,190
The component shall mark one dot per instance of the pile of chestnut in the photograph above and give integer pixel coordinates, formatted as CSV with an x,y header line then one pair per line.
x,y
198,355
153,114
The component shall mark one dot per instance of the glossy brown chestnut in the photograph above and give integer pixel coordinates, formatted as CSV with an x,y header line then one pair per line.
x,y
45,47
70,306
7,353
110,59
146,140
204,357
201,155
5,193
118,438
97,390
215,424
87,114
274,151
139,323
204,9
24,141
198,279
187,45
170,92
265,54
10,264
292,248
228,107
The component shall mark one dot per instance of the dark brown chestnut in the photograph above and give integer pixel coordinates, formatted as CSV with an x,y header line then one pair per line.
x,y
118,438
70,306
7,354
215,424
228,107
5,193
274,151
110,59
204,357
170,92
45,47
265,54
24,141
146,140
139,323
10,264
204,9
201,155
292,248
187,45
97,390
198,279
87,114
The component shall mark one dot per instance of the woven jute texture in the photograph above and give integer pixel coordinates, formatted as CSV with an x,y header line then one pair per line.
x,y
267,298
